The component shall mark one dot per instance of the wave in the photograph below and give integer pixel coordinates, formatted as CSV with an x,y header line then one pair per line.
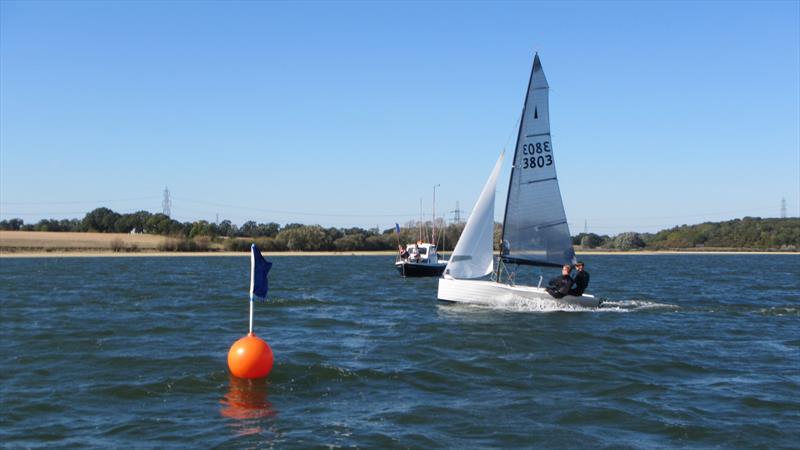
x,y
780,311
635,305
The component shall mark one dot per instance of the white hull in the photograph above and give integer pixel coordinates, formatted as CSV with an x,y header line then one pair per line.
x,y
485,292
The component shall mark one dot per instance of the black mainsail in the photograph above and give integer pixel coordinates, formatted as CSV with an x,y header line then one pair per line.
x,y
535,230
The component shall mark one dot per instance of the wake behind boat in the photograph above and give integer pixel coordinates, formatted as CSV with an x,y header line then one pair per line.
x,y
535,230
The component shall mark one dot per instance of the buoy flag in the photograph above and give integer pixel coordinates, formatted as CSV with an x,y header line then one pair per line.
x,y
259,268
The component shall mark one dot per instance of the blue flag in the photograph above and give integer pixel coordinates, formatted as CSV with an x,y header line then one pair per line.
x,y
259,268
397,228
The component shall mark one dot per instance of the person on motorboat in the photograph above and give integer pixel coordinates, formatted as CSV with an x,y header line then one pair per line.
x,y
559,286
403,252
415,252
581,280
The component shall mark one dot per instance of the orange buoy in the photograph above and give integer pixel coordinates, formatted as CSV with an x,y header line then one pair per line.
x,y
250,357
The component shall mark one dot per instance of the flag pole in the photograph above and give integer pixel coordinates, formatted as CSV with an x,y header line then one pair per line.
x,y
251,314
252,281
259,268
397,235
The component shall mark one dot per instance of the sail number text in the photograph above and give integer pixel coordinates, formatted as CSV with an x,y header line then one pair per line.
x,y
536,155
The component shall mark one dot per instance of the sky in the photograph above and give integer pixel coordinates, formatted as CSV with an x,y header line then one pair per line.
x,y
348,114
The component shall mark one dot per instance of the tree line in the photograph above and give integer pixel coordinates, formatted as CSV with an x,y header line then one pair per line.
x,y
271,236
746,233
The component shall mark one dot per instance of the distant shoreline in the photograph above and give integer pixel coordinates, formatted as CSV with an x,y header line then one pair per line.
x,y
110,254
43,244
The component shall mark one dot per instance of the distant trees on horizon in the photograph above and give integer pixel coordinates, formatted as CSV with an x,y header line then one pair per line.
x,y
190,236
745,233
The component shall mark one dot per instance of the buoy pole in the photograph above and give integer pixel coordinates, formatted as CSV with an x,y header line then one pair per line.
x,y
251,314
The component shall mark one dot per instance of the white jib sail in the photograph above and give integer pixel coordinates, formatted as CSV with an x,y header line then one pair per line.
x,y
472,257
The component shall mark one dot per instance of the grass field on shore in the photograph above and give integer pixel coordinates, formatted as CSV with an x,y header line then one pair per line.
x,y
58,244
68,241
25,244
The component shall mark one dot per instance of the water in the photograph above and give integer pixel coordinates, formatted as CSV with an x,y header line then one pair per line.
x,y
690,351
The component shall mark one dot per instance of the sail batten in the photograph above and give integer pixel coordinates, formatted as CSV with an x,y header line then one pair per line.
x,y
535,228
539,181
546,225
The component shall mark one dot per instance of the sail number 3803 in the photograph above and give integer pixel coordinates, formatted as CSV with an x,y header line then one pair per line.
x,y
536,155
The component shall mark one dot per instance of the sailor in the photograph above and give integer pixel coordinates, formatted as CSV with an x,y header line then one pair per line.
x,y
581,280
505,248
559,286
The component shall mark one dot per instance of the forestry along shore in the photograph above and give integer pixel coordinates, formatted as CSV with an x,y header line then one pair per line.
x,y
27,244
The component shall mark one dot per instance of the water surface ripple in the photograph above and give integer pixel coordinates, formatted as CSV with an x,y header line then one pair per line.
x,y
689,351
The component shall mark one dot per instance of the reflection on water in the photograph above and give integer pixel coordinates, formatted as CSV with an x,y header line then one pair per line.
x,y
245,401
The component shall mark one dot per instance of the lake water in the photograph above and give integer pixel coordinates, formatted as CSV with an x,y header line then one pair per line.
x,y
689,351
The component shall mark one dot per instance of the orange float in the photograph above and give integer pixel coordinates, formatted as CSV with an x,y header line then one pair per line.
x,y
250,357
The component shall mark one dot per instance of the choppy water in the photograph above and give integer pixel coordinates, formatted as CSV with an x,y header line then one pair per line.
x,y
690,351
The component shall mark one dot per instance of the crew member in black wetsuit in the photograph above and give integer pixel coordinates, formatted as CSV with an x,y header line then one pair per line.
x,y
559,286
581,280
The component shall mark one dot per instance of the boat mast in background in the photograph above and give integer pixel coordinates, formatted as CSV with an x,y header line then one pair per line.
x,y
433,224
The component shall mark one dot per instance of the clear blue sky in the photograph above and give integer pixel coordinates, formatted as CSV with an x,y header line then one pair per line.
x,y
341,114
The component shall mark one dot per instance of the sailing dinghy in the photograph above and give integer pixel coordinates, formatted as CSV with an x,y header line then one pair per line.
x,y
535,230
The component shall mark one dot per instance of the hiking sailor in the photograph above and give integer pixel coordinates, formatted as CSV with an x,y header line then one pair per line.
x,y
581,280
559,286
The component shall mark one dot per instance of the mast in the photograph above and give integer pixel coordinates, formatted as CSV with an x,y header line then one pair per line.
x,y
419,228
433,224
516,149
